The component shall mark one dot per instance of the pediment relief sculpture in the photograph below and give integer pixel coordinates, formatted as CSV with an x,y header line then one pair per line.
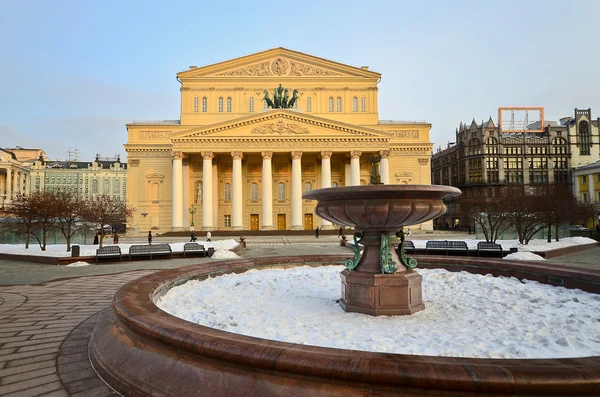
x,y
280,127
279,66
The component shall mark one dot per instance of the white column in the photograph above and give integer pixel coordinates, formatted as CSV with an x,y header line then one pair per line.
x,y
177,193
297,191
355,167
237,221
207,207
186,193
267,191
384,167
326,180
9,184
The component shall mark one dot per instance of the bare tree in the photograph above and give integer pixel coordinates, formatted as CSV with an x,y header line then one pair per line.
x,y
45,210
490,214
69,213
525,215
103,210
21,217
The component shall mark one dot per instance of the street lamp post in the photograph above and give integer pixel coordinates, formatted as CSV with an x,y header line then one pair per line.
x,y
192,212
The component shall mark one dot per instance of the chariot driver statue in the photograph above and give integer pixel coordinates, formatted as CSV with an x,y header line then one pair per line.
x,y
281,98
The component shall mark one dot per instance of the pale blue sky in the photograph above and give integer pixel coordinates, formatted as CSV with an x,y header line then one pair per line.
x,y
74,72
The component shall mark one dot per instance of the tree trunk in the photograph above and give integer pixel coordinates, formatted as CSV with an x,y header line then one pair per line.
x,y
549,233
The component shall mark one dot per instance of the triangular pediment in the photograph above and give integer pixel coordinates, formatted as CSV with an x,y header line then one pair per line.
x,y
279,123
277,62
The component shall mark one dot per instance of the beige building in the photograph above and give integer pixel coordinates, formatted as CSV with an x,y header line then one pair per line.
x,y
238,164
14,173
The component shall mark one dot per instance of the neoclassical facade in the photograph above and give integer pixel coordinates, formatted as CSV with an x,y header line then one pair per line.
x,y
231,162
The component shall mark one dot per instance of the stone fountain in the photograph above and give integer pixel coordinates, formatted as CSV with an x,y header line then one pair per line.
x,y
378,282
140,350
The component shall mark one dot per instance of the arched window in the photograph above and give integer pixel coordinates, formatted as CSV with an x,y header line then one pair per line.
x,y
309,104
221,104
254,191
106,186
196,104
331,104
251,104
281,191
307,187
355,104
116,187
228,192
474,147
363,104
95,186
339,104
204,104
229,104
584,137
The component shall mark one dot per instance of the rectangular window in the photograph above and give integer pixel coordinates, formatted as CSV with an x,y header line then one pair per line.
x,y
227,221
584,180
584,197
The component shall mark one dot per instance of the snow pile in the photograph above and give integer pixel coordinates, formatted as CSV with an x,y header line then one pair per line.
x,y
466,315
78,264
224,254
524,256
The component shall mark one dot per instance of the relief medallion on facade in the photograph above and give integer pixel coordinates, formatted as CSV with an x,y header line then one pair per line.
x,y
279,67
280,127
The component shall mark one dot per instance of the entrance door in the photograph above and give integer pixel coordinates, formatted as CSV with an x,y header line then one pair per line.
x,y
308,222
280,221
253,221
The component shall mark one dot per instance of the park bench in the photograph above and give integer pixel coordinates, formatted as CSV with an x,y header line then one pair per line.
x,y
446,246
150,250
198,249
110,251
408,246
489,247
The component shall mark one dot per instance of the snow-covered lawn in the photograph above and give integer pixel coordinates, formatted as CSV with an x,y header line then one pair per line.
x,y
466,315
222,249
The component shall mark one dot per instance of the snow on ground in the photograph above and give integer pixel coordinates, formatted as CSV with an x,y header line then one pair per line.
x,y
60,250
466,315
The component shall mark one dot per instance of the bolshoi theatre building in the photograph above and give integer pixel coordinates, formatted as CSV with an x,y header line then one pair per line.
x,y
255,133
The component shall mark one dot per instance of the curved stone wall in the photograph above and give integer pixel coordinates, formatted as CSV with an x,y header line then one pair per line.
x,y
142,351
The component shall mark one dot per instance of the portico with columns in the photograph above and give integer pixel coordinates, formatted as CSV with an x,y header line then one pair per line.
x,y
238,164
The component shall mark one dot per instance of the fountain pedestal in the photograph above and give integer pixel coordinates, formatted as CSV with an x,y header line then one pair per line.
x,y
377,282
382,294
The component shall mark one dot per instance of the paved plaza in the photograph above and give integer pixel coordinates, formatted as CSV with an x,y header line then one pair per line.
x,y
47,313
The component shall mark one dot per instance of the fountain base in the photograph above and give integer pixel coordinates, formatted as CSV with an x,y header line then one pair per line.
x,y
382,294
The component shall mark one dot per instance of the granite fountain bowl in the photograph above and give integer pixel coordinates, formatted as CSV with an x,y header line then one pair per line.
x,y
140,350
381,207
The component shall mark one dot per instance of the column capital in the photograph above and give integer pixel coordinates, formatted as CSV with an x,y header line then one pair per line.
x,y
177,155
423,161
237,155
326,155
266,155
355,154
384,154
207,155
296,155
